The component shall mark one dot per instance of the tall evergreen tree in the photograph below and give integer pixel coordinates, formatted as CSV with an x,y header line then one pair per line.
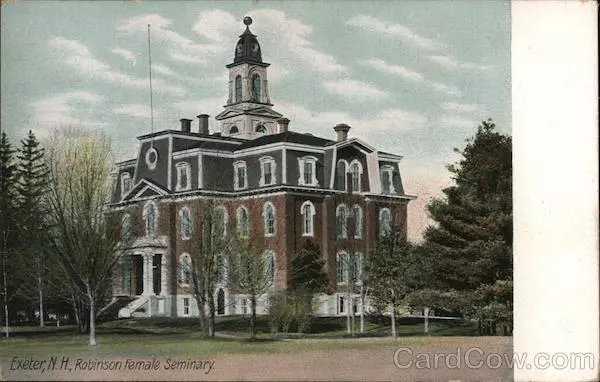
x,y
8,242
470,247
32,188
308,270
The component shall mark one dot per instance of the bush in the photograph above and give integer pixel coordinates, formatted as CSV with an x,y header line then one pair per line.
x,y
289,313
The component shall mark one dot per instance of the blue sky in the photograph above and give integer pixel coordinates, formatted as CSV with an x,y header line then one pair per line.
x,y
411,77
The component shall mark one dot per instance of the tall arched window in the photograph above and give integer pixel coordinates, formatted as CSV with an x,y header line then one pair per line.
x,y
341,175
342,267
151,218
307,210
220,220
243,222
185,223
384,221
269,215
238,89
357,217
255,88
355,172
185,269
341,217
270,263
126,229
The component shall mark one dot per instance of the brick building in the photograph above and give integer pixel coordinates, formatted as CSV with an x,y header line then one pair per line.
x,y
278,186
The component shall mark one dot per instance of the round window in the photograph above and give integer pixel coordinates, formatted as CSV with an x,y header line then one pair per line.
x,y
151,158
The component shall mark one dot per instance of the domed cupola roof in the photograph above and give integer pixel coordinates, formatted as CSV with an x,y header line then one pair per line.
x,y
247,48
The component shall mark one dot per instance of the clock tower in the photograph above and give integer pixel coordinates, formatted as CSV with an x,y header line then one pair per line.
x,y
248,112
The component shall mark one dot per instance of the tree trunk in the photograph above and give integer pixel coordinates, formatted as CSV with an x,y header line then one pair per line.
x,y
41,295
211,312
92,318
394,320
253,316
6,331
362,309
426,313
353,316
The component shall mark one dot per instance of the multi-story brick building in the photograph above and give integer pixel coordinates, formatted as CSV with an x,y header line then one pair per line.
x,y
280,187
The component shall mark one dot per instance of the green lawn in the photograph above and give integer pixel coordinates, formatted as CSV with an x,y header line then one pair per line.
x,y
168,336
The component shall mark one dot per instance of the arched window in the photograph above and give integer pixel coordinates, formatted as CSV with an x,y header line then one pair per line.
x,y
185,269
357,217
342,267
270,263
243,222
238,89
185,223
355,173
384,221
269,215
341,219
342,169
233,130
255,88
357,267
150,218
307,210
261,129
126,229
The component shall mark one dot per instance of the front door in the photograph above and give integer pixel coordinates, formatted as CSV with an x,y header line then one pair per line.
x,y
220,302
139,274
156,273
126,287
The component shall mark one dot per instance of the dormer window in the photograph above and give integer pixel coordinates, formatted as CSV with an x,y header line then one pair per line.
x,y
238,88
256,88
387,176
267,169
355,174
125,183
342,170
184,172
241,180
308,173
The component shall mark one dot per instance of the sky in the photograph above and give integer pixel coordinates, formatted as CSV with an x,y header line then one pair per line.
x,y
414,78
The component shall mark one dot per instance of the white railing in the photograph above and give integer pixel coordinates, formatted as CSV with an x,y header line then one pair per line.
x,y
127,311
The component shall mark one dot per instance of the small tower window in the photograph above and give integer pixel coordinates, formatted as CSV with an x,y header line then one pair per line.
x,y
261,128
256,88
238,89
234,130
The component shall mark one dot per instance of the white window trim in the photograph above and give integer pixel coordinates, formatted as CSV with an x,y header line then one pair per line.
x,y
125,176
344,234
189,306
264,214
338,264
274,264
236,166
225,215
145,213
313,161
270,160
238,226
360,172
313,212
183,166
181,212
184,256
381,211
151,165
345,185
362,221
390,171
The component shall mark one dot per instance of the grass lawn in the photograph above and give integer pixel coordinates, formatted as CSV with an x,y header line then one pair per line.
x,y
181,337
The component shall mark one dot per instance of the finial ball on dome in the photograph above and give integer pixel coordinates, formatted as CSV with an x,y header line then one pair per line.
x,y
247,20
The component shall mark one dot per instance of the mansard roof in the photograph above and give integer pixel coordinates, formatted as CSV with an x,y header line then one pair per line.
x,y
288,136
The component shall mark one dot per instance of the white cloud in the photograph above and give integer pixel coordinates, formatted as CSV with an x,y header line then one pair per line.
x,y
78,56
163,70
393,30
396,70
453,63
135,110
354,90
126,54
460,107
456,121
59,110
443,88
216,25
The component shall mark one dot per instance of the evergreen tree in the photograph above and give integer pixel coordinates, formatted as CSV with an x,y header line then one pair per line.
x,y
8,242
470,247
32,188
308,271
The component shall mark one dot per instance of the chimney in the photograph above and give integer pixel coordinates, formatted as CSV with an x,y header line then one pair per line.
x,y
283,125
342,131
203,124
186,125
